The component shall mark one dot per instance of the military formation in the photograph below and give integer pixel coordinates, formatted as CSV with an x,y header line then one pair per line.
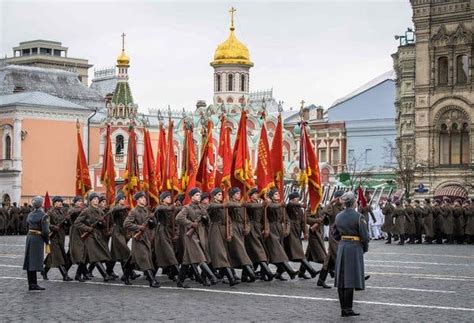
x,y
13,219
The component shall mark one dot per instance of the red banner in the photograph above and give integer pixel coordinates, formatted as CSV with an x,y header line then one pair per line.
x,y
312,172
224,157
149,180
277,156
107,175
171,171
161,160
131,176
206,174
264,163
242,173
190,163
83,180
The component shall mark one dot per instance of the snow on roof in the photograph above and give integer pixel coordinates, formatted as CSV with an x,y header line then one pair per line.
x,y
37,98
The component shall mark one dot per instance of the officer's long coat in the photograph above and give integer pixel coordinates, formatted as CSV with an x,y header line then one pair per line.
x,y
254,240
238,254
387,211
119,250
400,217
193,252
316,251
34,249
57,256
448,221
164,244
292,243
428,221
278,222
77,249
218,247
410,225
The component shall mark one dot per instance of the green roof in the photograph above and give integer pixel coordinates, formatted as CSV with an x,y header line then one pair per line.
x,y
122,94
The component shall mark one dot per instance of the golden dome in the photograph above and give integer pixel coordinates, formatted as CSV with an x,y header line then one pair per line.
x,y
123,59
232,51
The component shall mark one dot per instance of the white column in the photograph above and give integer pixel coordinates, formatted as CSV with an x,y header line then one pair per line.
x,y
17,139
85,141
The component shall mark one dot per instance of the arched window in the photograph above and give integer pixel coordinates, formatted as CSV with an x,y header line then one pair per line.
x,y
230,82
218,80
242,82
119,145
453,139
461,69
443,70
8,147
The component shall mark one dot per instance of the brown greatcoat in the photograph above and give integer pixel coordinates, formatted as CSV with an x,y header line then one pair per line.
x,y
458,221
428,221
316,251
203,232
164,243
292,243
419,212
119,249
193,251
387,211
410,226
77,249
57,225
438,221
254,241
400,216
218,248
95,246
329,217
278,221
141,255
469,216
238,254
448,221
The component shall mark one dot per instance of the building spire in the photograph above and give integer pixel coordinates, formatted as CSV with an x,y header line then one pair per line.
x,y
123,41
232,12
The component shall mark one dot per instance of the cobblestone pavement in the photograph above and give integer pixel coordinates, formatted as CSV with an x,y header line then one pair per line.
x,y
419,283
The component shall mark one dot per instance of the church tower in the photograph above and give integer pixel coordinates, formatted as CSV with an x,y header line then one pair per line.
x,y
231,69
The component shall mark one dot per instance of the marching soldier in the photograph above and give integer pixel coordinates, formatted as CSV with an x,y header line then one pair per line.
x,y
138,222
220,233
315,251
59,223
38,232
189,219
351,232
418,221
387,226
15,218
298,227
329,216
90,222
438,221
399,227
3,219
166,237
279,229
458,221
448,221
469,216
239,223
410,226
77,251
428,221
259,229
24,211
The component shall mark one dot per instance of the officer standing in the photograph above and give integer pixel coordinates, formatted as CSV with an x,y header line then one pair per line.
x,y
350,229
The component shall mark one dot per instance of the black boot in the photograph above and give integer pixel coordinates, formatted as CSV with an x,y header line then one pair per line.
x,y
90,269
322,279
266,272
172,272
109,265
44,272
389,238
340,293
63,272
127,270
235,274
250,273
194,273
33,281
402,240
183,273
208,273
307,267
279,272
227,272
78,275
289,270
411,239
151,279
348,298
101,269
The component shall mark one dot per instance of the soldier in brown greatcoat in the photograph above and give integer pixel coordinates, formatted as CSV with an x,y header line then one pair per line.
x,y
279,229
387,225
399,223
238,255
428,221
448,221
15,218
188,219
298,227
458,222
418,221
438,221
316,251
410,226
76,251
469,219
90,222
137,223
166,236
58,224
259,228
220,233
328,217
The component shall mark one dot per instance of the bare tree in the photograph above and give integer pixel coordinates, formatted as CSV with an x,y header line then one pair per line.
x,y
402,164
357,174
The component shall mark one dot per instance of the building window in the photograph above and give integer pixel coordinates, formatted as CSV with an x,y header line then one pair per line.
x,y
119,145
461,69
368,156
351,154
443,70
335,155
242,82
453,139
8,147
322,155
218,82
230,82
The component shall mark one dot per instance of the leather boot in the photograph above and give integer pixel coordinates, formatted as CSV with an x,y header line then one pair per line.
x,y
183,273
235,274
63,272
208,272
78,275
172,272
279,272
194,272
302,272
90,269
266,272
322,279
151,279
306,265
109,266
44,272
340,293
348,298
402,240
33,281
228,273
250,273
289,270
389,238
101,269
126,275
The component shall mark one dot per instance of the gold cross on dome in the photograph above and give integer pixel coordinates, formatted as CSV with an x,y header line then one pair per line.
x,y
123,41
232,12
302,104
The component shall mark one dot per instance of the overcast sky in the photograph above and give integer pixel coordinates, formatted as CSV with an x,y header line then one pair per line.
x,y
312,50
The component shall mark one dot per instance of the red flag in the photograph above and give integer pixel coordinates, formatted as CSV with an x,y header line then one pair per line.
x,y
314,175
277,156
241,171
171,172
207,167
149,180
83,181
107,175
47,202
161,160
264,163
190,164
224,157
131,176
361,197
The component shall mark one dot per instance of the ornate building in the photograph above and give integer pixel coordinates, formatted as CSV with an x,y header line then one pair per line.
x,y
435,102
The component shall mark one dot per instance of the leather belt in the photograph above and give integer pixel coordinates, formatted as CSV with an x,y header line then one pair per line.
x,y
350,238
35,232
